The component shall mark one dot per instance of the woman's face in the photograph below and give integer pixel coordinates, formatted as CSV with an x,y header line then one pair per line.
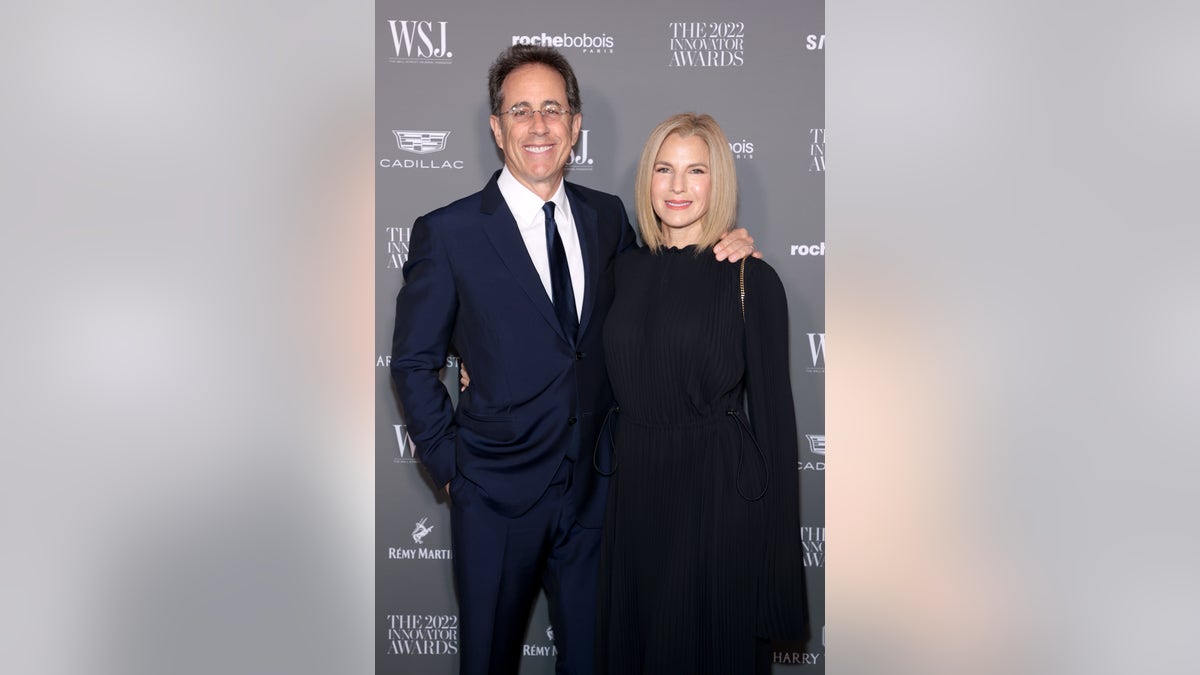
x,y
679,188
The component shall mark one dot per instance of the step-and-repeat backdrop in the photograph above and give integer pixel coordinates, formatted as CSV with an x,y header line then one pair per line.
x,y
756,66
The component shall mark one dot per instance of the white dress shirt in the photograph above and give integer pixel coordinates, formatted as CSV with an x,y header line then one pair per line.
x,y
526,208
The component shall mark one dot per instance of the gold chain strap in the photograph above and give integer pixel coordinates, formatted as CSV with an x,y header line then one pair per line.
x,y
742,287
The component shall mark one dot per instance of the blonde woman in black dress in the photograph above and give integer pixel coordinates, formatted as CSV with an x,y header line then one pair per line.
x,y
700,561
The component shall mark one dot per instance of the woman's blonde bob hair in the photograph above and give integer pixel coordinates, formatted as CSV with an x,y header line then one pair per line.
x,y
722,199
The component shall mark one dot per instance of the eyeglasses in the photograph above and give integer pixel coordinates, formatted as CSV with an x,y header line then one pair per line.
x,y
551,112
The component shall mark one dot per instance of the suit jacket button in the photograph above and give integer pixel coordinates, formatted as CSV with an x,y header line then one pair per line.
x,y
571,422
579,356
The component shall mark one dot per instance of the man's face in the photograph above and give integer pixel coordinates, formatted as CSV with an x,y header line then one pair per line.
x,y
535,149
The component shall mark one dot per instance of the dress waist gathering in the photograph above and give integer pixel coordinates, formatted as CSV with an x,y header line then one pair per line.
x,y
712,419
733,417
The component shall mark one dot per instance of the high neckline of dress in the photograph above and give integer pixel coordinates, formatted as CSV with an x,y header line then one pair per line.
x,y
690,248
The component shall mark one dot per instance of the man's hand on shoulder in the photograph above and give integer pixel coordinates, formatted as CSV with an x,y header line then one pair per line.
x,y
735,245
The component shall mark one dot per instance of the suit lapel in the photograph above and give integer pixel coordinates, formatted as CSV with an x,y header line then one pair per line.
x,y
501,230
586,224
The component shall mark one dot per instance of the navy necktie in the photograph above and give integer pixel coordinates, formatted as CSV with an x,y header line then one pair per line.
x,y
560,276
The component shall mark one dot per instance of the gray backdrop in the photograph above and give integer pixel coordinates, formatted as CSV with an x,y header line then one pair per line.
x,y
757,67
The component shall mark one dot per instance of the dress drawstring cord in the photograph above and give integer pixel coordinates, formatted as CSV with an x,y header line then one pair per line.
x,y
596,448
737,481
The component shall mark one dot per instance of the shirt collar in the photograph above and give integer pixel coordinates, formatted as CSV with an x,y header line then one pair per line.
x,y
524,204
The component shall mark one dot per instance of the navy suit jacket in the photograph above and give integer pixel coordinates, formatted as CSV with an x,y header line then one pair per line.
x,y
536,396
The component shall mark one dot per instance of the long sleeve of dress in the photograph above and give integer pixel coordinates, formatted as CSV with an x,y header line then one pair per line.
x,y
781,595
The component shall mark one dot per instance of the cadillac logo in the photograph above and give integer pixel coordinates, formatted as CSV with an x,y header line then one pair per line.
x,y
421,142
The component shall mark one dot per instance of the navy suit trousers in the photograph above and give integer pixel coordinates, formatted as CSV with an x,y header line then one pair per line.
x,y
501,562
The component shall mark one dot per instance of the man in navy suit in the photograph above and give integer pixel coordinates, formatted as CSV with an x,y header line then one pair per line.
x,y
516,455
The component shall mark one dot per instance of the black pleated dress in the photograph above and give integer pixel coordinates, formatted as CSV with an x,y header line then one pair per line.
x,y
701,551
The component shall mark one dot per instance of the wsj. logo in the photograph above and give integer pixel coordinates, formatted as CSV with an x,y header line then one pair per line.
x,y
405,450
817,150
742,149
815,42
419,532
397,246
813,540
816,445
816,348
421,142
418,36
579,160
808,249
